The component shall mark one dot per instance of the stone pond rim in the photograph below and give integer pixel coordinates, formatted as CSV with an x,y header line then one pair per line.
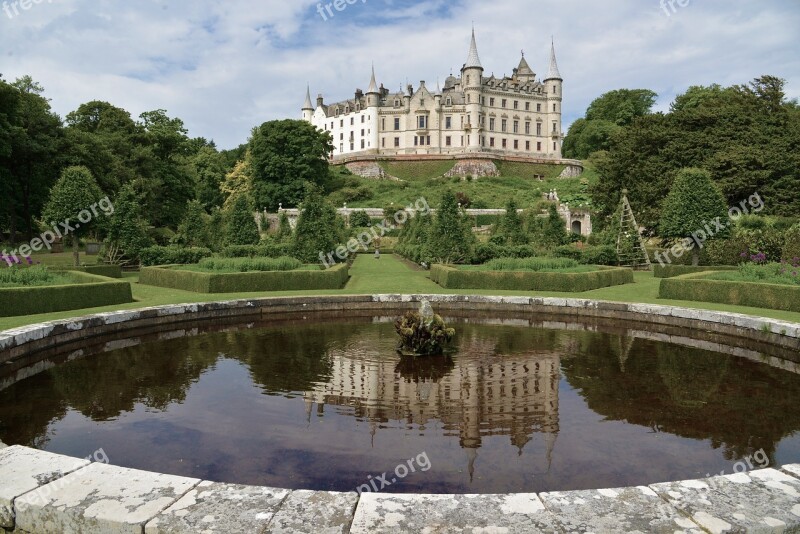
x,y
39,488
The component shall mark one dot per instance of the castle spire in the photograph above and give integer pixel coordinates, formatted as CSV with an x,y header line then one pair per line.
x,y
553,73
473,61
373,86
308,104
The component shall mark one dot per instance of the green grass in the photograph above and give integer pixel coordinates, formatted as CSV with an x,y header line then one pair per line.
x,y
421,179
391,274
773,273
36,276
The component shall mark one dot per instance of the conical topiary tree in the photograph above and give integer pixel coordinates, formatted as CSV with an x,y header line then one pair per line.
x,y
127,230
193,230
451,239
242,228
316,231
510,230
71,199
690,208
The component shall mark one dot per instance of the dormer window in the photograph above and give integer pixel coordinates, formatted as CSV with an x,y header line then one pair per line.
x,y
346,110
449,101
397,102
337,111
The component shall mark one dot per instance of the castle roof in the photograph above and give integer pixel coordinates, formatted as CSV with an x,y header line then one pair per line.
x,y
524,69
553,73
307,104
373,87
473,60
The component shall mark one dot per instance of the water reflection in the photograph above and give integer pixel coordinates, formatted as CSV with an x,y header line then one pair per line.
x,y
531,405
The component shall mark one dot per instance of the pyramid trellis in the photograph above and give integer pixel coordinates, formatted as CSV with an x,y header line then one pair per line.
x,y
630,245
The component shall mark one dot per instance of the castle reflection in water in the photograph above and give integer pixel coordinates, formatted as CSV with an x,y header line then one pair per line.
x,y
478,392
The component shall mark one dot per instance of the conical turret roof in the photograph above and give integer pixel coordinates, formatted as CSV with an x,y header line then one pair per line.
x,y
524,69
307,104
373,86
552,73
473,60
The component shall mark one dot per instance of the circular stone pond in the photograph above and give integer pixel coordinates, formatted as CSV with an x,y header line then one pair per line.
x,y
303,394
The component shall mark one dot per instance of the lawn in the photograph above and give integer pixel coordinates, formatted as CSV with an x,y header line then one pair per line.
x,y
391,274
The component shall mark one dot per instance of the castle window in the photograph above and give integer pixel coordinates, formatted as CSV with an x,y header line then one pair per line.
x,y
397,123
539,128
491,102
422,122
469,99
539,146
331,125
467,79
362,132
352,121
527,128
341,123
491,141
362,144
505,143
555,107
462,140
352,147
346,110
383,142
337,111
397,141
528,146
505,102
448,122
341,147
397,102
428,140
362,119
555,89
416,140
527,106
491,124
462,122
504,125
516,104
516,144
341,137
448,141
555,127
449,101
383,124
516,126
554,146
539,108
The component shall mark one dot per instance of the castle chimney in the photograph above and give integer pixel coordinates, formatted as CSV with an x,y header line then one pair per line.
x,y
320,101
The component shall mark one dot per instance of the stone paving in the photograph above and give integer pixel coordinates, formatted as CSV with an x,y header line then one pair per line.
x,y
47,493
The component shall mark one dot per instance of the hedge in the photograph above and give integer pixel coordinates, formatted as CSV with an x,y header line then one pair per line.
x,y
257,251
696,287
88,291
173,254
109,271
671,271
450,277
171,276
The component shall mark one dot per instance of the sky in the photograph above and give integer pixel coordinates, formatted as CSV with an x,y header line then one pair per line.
x,y
226,66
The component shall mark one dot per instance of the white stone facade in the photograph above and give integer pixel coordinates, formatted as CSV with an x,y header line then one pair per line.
x,y
518,115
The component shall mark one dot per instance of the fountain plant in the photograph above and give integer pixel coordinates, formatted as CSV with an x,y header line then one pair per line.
x,y
423,332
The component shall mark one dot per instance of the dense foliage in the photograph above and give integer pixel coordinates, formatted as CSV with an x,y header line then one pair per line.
x,y
241,227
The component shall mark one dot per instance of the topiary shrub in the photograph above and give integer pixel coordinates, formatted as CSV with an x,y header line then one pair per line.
x,y
360,219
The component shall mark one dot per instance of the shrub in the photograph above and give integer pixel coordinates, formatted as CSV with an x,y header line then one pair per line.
x,y
38,275
554,230
317,230
451,239
217,282
244,265
360,219
453,278
590,255
671,271
791,243
173,254
699,287
193,229
127,231
85,291
510,229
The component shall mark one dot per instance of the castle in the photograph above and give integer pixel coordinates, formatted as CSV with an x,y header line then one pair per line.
x,y
473,114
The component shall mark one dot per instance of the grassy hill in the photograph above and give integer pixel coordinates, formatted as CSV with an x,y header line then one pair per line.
x,y
424,179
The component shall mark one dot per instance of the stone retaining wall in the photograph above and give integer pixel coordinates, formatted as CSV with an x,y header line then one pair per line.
x,y
42,492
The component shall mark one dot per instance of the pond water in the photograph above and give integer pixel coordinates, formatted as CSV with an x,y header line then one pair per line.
x,y
519,405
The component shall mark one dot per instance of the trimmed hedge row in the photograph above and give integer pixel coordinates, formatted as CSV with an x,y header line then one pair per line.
x,y
173,254
109,271
88,291
696,287
172,277
671,271
453,278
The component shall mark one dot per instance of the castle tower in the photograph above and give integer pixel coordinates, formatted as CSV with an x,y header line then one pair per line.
x,y
553,87
373,102
308,108
472,80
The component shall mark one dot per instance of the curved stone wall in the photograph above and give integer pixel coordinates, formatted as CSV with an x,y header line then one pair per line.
x,y
43,492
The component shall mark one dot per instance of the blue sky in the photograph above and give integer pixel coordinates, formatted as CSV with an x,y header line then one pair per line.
x,y
226,66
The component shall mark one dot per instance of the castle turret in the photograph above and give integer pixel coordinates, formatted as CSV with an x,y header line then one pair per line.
x,y
472,80
553,87
373,95
308,108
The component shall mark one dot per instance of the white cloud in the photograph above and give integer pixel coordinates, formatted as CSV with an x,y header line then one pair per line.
x,y
226,66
